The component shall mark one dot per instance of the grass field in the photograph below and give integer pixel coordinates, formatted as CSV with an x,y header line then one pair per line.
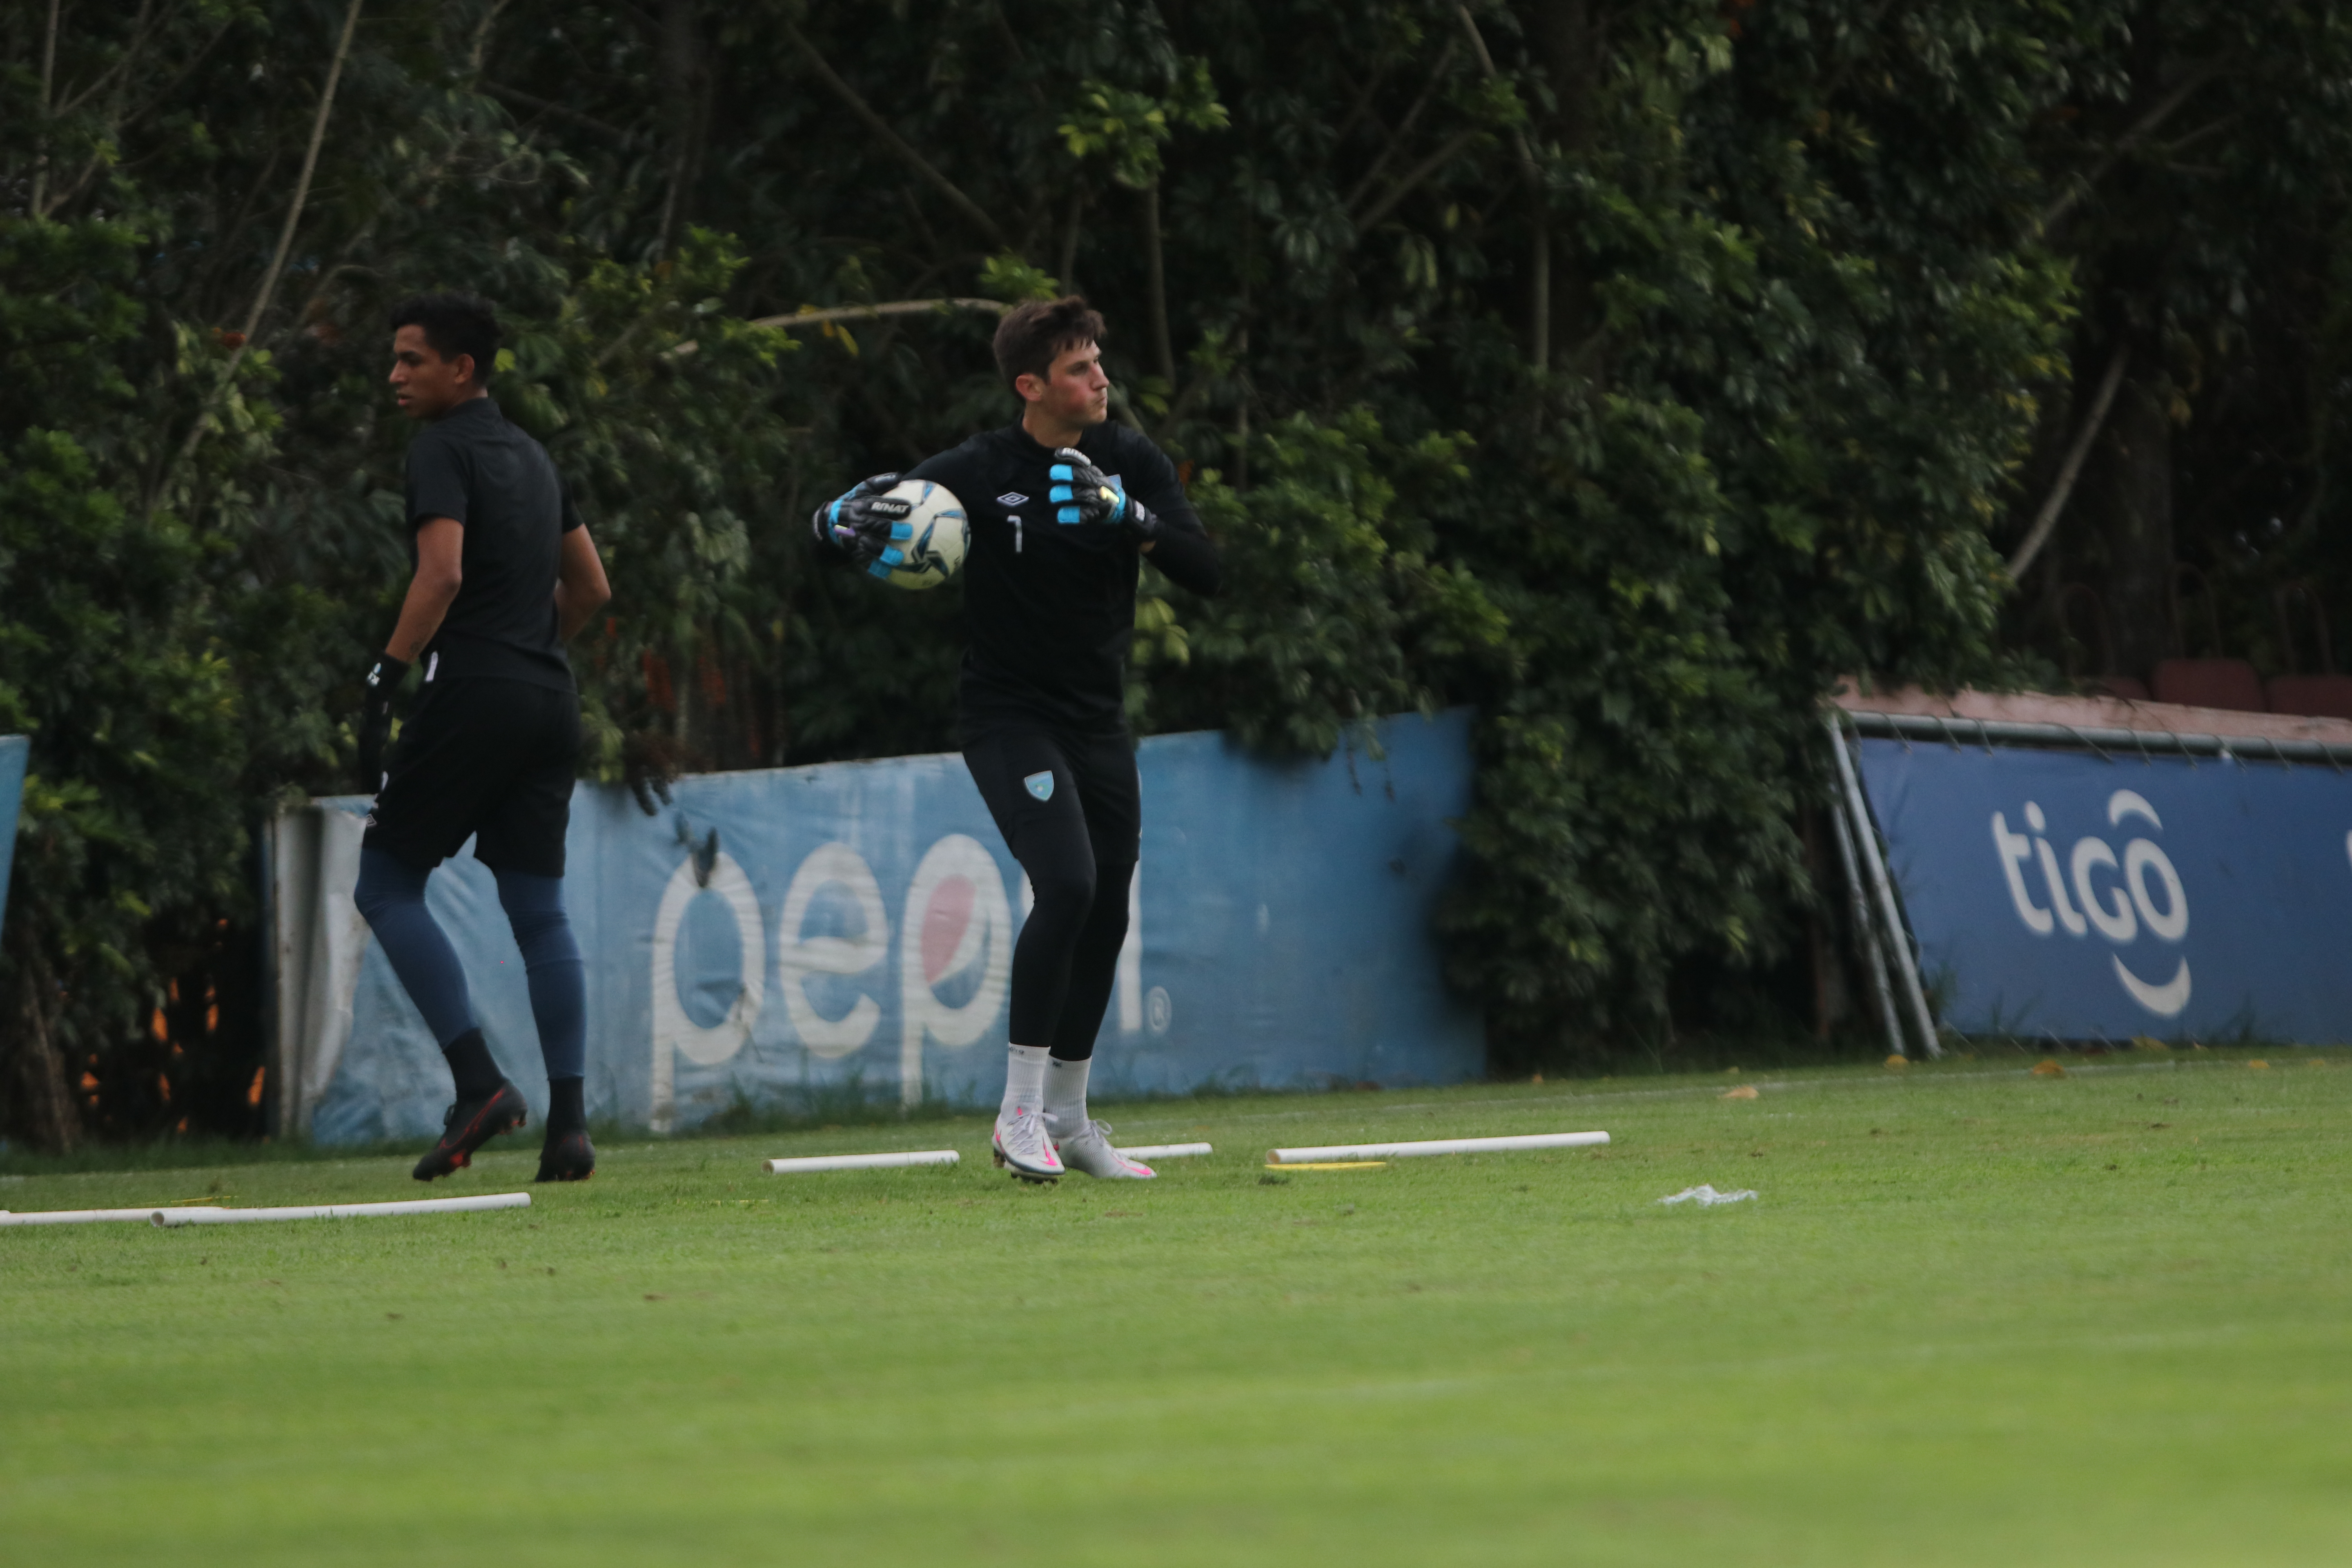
x,y
1975,1317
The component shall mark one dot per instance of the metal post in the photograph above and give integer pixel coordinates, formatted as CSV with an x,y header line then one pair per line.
x,y
1866,837
1866,934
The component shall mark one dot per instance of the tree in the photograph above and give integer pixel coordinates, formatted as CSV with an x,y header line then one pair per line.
x,y
1630,372
2196,186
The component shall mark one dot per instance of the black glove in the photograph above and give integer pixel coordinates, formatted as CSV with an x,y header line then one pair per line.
x,y
1084,493
855,526
384,679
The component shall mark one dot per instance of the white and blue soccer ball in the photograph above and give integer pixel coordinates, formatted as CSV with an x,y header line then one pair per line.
x,y
939,531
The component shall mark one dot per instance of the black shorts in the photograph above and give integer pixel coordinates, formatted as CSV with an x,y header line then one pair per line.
x,y
479,755
1047,777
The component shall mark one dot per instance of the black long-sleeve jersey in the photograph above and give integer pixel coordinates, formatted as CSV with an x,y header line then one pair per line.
x,y
1050,607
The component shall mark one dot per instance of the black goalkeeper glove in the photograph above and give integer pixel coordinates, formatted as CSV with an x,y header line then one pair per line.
x,y
384,679
1084,493
857,525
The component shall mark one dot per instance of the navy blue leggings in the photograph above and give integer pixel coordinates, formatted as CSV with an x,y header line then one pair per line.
x,y
391,895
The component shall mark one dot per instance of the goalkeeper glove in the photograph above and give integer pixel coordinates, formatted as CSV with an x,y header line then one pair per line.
x,y
1083,493
865,525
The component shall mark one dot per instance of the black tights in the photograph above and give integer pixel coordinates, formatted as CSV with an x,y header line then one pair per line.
x,y
1067,957
1077,842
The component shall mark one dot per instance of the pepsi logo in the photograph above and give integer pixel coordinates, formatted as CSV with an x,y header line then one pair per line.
x,y
951,938
956,972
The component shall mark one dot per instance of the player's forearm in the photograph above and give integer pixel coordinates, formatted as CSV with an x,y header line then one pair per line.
x,y
581,586
430,595
1188,560
575,603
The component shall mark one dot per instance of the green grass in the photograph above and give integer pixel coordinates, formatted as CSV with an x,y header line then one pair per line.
x,y
1975,1317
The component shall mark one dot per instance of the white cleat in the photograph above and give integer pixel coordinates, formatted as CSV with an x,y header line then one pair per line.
x,y
1024,1148
1088,1151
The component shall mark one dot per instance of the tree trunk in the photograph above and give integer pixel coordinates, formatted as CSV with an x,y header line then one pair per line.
x,y
1241,361
48,81
1066,273
50,1116
1163,351
2135,521
1568,41
686,82
1567,37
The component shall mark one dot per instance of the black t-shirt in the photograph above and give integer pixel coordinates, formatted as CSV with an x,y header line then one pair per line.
x,y
1049,606
472,465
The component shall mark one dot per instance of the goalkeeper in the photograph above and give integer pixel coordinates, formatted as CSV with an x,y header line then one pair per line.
x,y
1062,505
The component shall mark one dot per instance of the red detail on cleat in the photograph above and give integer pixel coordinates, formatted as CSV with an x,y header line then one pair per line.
x,y
503,1111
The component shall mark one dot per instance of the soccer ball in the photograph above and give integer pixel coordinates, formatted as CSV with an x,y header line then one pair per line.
x,y
942,531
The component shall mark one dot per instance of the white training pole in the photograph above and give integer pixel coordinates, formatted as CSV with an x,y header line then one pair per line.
x,y
77,1217
171,1219
1436,1146
859,1161
1167,1151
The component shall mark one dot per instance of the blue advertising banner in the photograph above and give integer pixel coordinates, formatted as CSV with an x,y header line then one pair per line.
x,y
2066,895
850,932
15,750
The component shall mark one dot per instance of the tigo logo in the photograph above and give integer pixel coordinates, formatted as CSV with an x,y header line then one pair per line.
x,y
2119,907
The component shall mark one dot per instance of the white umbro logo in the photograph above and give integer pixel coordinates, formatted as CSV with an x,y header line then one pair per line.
x,y
1010,498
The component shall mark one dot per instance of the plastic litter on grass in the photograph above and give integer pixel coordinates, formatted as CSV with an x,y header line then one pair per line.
x,y
1707,1197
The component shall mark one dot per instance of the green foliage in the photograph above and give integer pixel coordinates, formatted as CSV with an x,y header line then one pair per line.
x,y
1333,612
673,453
1635,792
132,823
1012,279
1129,128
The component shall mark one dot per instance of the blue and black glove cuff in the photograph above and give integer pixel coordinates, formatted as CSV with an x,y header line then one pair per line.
x,y
1142,525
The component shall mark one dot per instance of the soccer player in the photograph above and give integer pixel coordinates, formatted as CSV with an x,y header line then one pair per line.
x,y
504,575
1063,506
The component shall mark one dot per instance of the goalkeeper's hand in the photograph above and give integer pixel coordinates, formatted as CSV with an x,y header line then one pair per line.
x,y
1083,493
383,678
859,525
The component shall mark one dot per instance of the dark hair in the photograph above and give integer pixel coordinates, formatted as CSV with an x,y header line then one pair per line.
x,y
454,324
1033,332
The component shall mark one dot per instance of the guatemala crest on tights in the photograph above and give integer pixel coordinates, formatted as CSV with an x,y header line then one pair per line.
x,y
1040,785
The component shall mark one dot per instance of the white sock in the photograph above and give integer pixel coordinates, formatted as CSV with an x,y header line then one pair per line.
x,y
1024,1078
1066,1096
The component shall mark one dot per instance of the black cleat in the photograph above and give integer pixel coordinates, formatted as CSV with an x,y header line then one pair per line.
x,y
470,1124
567,1157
